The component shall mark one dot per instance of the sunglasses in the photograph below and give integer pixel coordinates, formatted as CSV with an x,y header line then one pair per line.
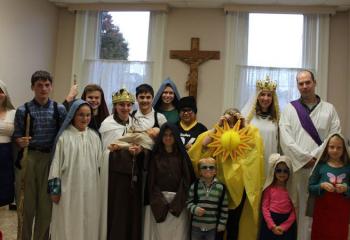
x,y
207,167
282,170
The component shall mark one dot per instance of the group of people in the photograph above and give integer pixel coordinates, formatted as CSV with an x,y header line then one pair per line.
x,y
157,173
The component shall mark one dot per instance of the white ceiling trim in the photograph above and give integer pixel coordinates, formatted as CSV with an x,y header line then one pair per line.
x,y
339,4
301,9
161,7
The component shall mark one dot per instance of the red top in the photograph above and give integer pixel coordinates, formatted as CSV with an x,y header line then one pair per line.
x,y
276,199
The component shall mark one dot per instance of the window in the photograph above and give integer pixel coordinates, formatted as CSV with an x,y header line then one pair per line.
x,y
121,56
275,49
275,40
124,35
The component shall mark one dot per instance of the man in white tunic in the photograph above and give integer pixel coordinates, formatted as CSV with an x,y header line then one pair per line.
x,y
304,125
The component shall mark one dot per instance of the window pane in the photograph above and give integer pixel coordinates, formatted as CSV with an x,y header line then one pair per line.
x,y
275,40
124,35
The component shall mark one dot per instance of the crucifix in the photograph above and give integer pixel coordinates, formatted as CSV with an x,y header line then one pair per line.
x,y
193,58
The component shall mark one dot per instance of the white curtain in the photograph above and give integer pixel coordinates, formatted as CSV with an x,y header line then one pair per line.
x,y
86,41
155,54
285,78
112,75
315,58
235,54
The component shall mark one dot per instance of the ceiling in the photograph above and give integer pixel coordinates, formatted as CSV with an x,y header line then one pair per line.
x,y
340,4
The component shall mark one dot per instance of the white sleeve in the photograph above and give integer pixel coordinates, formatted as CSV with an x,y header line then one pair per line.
x,y
161,119
56,167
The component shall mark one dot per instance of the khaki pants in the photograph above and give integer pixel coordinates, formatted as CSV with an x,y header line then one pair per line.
x,y
37,204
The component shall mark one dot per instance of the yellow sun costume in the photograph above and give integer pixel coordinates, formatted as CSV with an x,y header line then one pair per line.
x,y
240,166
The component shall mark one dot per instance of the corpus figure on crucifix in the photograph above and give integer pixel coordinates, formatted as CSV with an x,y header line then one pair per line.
x,y
193,58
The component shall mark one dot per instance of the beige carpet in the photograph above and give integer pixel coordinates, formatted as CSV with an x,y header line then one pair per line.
x,y
8,223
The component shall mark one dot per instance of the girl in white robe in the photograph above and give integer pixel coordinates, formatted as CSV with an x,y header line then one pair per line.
x,y
74,180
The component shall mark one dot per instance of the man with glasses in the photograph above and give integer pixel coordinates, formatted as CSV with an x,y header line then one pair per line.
x,y
189,127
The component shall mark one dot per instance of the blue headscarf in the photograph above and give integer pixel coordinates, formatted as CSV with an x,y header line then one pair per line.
x,y
68,120
157,101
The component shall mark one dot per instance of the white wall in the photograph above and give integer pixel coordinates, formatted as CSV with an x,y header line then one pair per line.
x,y
209,26
27,43
64,56
338,75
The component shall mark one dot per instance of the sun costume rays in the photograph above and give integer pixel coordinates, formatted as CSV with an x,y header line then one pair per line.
x,y
230,142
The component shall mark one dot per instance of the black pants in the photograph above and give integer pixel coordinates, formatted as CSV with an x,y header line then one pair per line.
x,y
234,216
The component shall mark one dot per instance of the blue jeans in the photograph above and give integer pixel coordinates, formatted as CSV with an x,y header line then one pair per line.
x,y
197,234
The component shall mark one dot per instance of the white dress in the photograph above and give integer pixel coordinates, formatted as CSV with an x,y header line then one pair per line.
x,y
300,147
76,162
269,133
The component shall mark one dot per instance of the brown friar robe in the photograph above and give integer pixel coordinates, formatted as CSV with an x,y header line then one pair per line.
x,y
168,172
125,194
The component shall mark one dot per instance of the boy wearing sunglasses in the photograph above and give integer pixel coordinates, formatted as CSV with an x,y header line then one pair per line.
x,y
207,202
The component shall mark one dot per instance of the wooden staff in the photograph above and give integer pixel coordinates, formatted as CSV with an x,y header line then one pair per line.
x,y
74,79
23,163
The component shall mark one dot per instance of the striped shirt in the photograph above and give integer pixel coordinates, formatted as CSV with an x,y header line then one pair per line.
x,y
44,125
209,199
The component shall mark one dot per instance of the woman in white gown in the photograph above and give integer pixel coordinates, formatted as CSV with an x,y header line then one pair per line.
x,y
74,179
262,111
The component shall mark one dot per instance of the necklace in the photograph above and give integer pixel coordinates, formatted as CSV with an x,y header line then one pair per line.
x,y
263,115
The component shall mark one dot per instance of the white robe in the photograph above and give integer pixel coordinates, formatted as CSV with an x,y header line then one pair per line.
x,y
269,133
300,147
173,228
76,162
110,131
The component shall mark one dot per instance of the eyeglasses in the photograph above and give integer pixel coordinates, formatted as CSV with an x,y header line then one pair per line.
x,y
207,167
186,110
282,170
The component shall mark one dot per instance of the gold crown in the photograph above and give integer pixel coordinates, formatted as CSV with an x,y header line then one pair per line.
x,y
122,96
266,84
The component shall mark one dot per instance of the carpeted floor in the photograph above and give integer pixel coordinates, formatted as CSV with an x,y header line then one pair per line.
x,y
8,223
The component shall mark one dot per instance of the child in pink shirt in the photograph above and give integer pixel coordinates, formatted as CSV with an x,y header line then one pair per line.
x,y
279,219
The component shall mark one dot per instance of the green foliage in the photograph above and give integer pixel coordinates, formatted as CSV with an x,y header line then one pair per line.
x,y
113,44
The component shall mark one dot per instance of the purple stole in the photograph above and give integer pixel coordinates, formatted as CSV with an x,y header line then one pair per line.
x,y
306,121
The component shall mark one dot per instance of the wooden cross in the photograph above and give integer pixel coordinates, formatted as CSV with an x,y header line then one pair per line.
x,y
193,58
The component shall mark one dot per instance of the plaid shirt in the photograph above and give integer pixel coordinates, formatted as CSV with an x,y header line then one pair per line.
x,y
44,125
